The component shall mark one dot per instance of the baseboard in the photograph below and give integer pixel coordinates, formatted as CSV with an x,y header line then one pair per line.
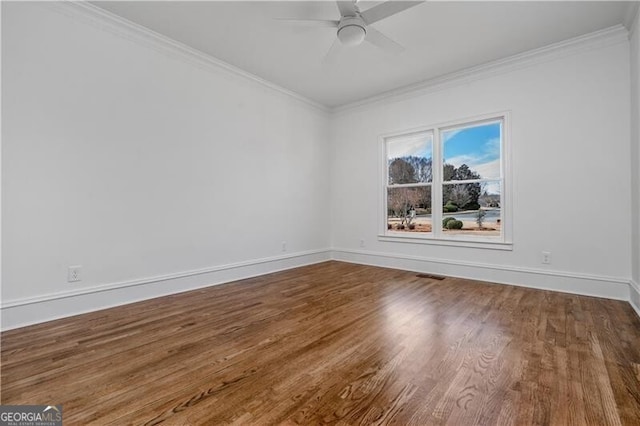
x,y
565,282
634,296
22,312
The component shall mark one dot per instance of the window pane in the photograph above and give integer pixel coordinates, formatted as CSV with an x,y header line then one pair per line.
x,y
409,209
409,158
472,152
472,209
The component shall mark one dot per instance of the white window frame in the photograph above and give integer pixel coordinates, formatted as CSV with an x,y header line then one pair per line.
x,y
437,236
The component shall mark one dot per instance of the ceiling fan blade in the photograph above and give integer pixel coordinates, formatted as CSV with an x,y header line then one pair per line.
x,y
347,8
332,54
380,40
386,9
310,22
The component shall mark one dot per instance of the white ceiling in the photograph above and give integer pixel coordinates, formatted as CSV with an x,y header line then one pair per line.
x,y
439,37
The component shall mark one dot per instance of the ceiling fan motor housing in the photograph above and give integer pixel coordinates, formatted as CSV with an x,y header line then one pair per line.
x,y
352,30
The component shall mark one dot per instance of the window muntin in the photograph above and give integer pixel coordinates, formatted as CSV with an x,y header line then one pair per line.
x,y
465,180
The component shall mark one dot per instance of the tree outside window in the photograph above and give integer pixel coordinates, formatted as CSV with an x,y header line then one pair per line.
x,y
449,176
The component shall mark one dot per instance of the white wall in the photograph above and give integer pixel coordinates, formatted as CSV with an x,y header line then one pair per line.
x,y
159,174
571,175
635,162
140,166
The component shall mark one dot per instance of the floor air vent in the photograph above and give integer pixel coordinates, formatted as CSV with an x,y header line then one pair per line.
x,y
431,277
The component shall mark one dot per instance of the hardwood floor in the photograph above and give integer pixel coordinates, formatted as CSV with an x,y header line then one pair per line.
x,y
337,343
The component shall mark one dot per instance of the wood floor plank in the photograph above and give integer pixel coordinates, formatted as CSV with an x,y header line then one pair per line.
x,y
336,343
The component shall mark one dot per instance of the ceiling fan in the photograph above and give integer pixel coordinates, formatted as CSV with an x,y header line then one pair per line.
x,y
354,26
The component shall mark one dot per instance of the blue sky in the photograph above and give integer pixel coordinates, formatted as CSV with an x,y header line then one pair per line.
x,y
419,145
478,147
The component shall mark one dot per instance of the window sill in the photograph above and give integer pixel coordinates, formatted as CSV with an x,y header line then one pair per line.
x,y
429,240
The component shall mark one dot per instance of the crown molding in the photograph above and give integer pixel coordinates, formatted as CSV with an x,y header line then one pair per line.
x,y
631,17
121,27
595,40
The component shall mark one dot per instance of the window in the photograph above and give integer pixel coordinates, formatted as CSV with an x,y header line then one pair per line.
x,y
446,184
410,176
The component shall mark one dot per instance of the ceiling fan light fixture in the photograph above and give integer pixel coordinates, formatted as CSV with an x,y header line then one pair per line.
x,y
351,35
352,31
354,26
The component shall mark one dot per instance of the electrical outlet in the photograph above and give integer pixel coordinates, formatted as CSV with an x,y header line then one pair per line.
x,y
73,274
546,257
284,246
